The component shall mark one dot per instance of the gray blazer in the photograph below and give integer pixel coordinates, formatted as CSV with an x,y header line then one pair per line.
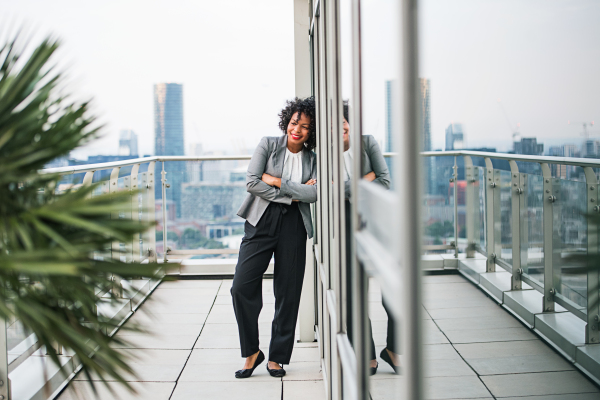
x,y
268,158
372,160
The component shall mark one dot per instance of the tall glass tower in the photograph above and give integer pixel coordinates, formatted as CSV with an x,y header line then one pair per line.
x,y
168,119
168,138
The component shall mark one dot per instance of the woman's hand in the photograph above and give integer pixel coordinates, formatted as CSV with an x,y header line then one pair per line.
x,y
311,182
370,176
271,180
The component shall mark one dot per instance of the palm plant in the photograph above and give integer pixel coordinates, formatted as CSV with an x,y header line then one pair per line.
x,y
51,278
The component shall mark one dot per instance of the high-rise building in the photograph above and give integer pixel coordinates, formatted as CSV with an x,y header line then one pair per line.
x,y
454,137
168,119
168,137
128,143
425,127
426,114
389,146
529,146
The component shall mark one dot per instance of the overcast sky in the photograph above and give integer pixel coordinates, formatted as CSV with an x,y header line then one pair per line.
x,y
235,59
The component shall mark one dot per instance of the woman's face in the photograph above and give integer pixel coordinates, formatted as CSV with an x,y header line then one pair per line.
x,y
346,135
298,129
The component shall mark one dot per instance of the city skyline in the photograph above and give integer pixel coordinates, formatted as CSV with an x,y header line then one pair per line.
x,y
542,68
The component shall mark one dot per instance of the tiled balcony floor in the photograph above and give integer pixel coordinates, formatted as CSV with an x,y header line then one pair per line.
x,y
474,349
194,351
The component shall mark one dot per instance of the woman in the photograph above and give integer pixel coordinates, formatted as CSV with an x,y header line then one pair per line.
x,y
281,183
374,169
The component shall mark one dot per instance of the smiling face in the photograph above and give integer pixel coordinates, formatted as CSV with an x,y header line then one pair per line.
x,y
298,131
346,135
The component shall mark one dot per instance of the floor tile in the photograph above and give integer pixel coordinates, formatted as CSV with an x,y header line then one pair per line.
x,y
303,371
570,396
154,341
305,354
495,322
462,387
539,384
151,365
78,390
489,310
455,367
240,389
489,335
302,390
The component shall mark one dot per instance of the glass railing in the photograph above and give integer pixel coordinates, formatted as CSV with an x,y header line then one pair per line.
x,y
526,217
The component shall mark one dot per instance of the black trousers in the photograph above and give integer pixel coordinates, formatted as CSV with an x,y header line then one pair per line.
x,y
391,332
280,231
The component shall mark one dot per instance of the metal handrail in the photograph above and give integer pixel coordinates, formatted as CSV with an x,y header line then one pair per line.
x,y
580,162
76,169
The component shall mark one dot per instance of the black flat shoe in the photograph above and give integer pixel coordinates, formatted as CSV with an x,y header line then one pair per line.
x,y
276,373
373,370
386,357
247,373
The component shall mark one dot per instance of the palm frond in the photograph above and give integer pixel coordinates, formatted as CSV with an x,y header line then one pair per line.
x,y
50,278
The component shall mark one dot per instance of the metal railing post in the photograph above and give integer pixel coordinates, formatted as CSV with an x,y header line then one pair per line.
x,y
524,222
548,218
455,194
490,189
150,207
116,246
135,211
471,207
515,198
592,333
4,380
127,256
163,180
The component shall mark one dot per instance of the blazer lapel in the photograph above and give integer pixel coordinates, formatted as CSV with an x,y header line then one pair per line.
x,y
306,165
365,160
280,155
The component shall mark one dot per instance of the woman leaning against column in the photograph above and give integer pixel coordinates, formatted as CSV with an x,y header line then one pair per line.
x,y
281,183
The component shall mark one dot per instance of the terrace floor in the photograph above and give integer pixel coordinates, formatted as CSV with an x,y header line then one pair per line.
x,y
474,349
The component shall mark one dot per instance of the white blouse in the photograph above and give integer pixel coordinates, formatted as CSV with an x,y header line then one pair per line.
x,y
292,166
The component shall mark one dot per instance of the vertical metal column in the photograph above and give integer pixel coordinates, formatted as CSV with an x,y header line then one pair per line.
x,y
409,193
359,278
471,208
592,332
302,73
490,189
548,216
515,198
4,380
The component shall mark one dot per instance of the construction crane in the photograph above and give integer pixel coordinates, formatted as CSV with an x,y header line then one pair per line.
x,y
515,131
585,127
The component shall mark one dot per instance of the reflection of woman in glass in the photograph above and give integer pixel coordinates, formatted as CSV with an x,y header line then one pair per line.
x,y
281,182
374,169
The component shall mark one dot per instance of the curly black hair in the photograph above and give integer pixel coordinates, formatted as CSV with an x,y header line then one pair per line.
x,y
346,110
301,106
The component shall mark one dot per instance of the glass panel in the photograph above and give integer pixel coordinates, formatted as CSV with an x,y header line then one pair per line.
x,y
438,208
532,227
202,204
506,216
480,226
569,238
